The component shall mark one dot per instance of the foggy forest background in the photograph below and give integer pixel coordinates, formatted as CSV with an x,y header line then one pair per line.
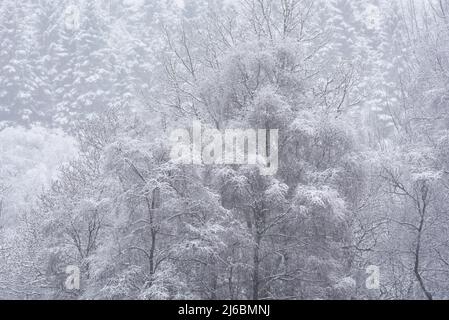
x,y
359,91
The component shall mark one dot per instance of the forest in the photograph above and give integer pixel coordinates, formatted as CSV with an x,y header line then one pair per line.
x,y
357,92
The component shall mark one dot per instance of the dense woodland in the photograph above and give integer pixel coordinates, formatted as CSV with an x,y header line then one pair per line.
x,y
91,90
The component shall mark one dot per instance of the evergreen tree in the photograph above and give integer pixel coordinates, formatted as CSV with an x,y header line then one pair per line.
x,y
17,79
